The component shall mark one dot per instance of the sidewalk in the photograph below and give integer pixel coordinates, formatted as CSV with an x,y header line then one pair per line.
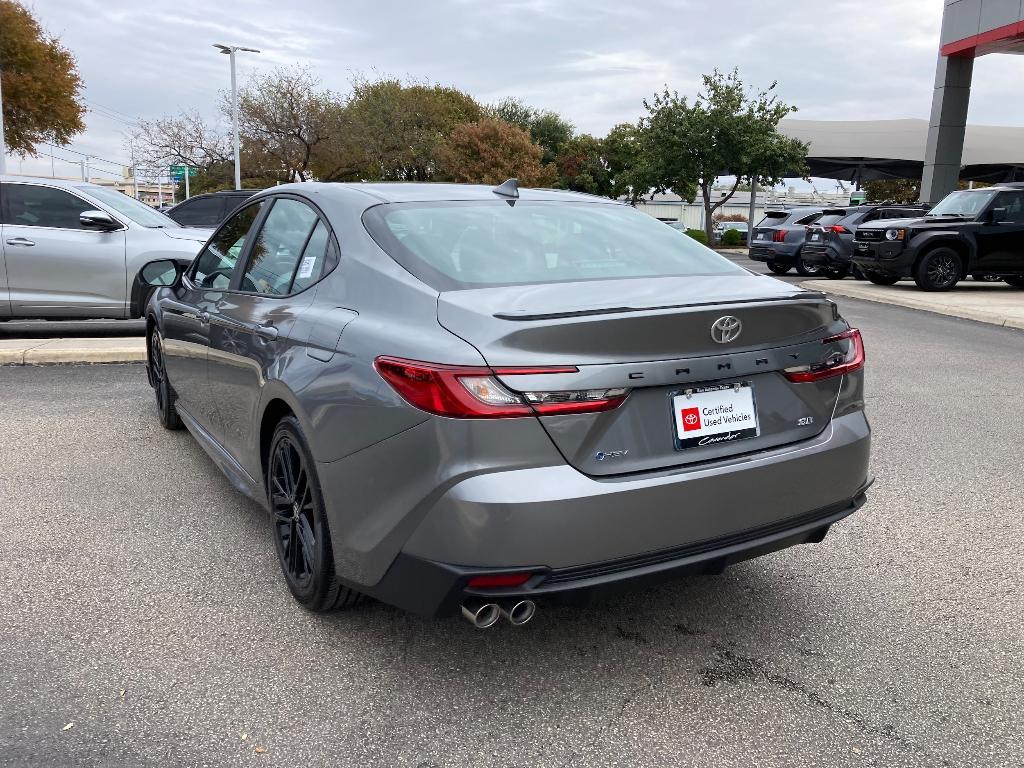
x,y
995,303
66,351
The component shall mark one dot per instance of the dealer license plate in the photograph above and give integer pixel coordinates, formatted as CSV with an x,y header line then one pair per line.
x,y
714,415
815,237
760,236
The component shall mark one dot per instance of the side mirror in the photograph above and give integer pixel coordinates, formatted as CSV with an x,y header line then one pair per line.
x,y
997,215
98,220
161,273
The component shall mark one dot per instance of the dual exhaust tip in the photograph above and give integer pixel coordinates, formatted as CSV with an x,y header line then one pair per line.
x,y
483,614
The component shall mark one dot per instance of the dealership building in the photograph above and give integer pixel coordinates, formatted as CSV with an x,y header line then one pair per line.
x,y
970,28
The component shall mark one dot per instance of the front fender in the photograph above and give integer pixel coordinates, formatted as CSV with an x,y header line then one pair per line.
x,y
932,239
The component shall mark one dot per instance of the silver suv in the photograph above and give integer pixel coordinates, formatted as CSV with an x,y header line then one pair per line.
x,y
73,250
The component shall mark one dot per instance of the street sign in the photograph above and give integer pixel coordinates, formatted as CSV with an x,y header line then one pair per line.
x,y
178,172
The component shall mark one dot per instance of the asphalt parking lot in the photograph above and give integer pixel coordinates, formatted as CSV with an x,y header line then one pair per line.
x,y
144,621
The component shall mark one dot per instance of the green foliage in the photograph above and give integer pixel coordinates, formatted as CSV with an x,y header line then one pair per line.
x,y
42,90
699,235
491,151
893,190
728,130
732,237
582,168
548,129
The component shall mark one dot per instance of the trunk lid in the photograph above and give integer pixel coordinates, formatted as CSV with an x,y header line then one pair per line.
x,y
654,337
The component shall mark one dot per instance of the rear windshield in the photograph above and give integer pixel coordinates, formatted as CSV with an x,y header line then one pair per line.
x,y
830,218
772,218
476,244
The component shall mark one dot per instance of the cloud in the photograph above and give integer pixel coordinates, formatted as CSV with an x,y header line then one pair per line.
x,y
592,60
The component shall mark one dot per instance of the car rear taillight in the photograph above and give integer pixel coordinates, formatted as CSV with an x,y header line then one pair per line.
x,y
779,236
839,229
847,361
475,392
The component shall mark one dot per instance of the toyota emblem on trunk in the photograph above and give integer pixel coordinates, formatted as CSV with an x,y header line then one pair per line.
x,y
726,329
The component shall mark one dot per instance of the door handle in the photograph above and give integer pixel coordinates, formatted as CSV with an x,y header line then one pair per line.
x,y
20,241
267,332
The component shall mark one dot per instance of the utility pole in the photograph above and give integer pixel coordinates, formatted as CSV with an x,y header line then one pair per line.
x,y
230,50
751,213
159,190
88,168
81,166
3,144
187,192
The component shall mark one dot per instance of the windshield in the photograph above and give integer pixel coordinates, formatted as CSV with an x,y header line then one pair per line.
x,y
138,212
455,245
963,203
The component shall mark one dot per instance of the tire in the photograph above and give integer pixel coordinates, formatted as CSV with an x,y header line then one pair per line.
x,y
302,538
166,397
779,269
938,270
838,273
808,270
879,279
1017,281
857,274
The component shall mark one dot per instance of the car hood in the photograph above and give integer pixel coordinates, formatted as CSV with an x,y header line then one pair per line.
x,y
195,234
913,221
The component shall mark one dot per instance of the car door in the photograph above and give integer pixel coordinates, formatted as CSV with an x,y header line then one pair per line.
x,y
55,265
251,325
186,312
1001,241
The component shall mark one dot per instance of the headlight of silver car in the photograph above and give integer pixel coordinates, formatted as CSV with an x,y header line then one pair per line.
x,y
895,234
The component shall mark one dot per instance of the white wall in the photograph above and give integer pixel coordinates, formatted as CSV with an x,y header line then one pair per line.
x,y
692,214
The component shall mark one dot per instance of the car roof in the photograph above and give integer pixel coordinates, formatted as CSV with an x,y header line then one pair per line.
x,y
409,192
48,182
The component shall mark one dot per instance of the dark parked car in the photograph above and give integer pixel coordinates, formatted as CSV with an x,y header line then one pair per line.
x,y
779,240
977,232
210,209
458,398
829,240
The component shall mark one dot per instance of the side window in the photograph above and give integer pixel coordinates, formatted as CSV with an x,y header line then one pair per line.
x,y
319,257
1013,202
217,260
808,219
28,205
199,212
278,248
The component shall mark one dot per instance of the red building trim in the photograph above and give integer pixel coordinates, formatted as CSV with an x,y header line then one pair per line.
x,y
986,42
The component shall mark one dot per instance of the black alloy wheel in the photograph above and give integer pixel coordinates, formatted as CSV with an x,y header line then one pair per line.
x,y
778,269
938,270
301,535
808,270
837,273
1017,281
165,395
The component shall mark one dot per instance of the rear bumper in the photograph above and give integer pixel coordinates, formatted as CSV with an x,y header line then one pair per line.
x,y
784,253
577,532
437,589
824,255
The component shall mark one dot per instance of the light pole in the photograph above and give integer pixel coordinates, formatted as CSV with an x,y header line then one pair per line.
x,y
230,51
3,144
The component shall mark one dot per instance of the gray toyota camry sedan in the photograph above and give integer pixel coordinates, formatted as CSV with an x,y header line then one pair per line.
x,y
473,399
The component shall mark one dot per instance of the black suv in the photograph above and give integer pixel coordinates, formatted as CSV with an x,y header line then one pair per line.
x,y
829,240
210,209
976,232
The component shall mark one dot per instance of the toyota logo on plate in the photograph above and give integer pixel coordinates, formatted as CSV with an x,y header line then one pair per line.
x,y
726,329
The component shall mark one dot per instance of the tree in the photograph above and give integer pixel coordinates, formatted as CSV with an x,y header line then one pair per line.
x,y
42,90
394,129
582,167
491,151
727,131
284,119
547,128
185,139
893,190
629,170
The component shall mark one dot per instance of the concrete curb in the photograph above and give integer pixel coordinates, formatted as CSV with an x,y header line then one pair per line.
x,y
71,351
987,303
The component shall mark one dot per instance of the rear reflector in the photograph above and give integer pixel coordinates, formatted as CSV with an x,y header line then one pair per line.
x,y
847,361
839,229
498,580
475,392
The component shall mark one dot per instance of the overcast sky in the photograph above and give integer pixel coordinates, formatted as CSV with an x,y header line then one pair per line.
x,y
594,61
